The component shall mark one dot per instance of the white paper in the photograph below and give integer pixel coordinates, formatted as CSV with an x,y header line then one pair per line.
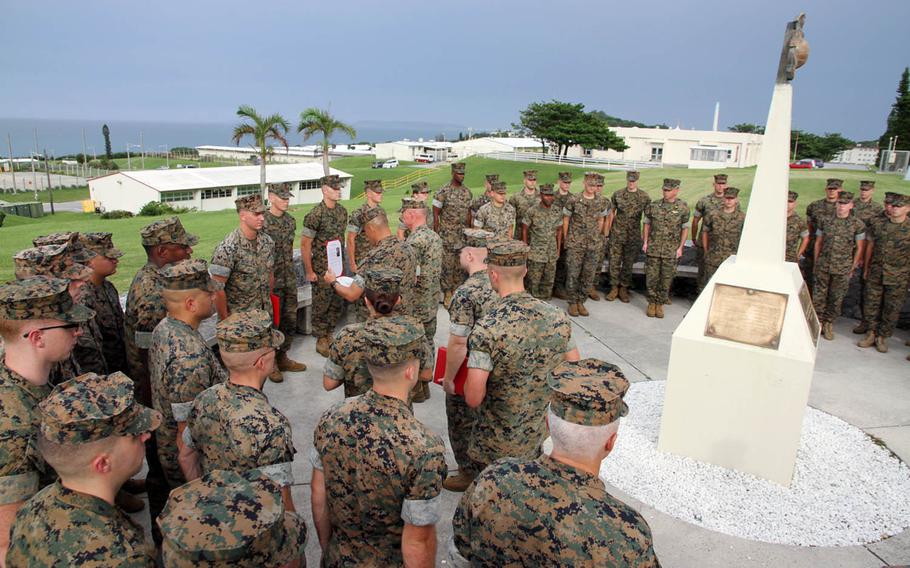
x,y
345,280
333,253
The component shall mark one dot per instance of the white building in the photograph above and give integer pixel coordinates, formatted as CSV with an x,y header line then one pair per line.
x,y
207,189
291,155
490,145
696,149
860,155
409,150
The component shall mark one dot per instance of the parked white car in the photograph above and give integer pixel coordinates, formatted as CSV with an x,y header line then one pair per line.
x,y
388,164
425,159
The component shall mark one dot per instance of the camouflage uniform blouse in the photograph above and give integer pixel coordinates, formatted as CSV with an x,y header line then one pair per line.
x,y
88,351
355,225
144,309
796,232
181,366
383,468
20,465
497,220
235,428
518,341
560,200
667,221
628,207
724,230
470,302
705,205
453,203
62,527
281,230
105,301
522,201
820,210
323,225
584,215
392,253
427,248
542,512
247,265
867,211
841,237
542,224
890,252
479,202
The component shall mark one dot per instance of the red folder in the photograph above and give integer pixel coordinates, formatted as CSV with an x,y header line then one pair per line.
x,y
276,309
439,372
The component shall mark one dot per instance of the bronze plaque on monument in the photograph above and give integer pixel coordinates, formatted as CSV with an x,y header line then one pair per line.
x,y
746,315
809,312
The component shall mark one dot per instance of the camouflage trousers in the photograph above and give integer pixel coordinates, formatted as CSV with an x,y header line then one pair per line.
x,y
659,275
327,308
287,309
581,269
460,418
421,390
624,251
559,281
700,280
453,275
830,290
882,305
809,265
539,280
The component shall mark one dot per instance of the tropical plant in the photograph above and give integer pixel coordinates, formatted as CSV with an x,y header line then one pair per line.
x,y
315,121
262,129
106,132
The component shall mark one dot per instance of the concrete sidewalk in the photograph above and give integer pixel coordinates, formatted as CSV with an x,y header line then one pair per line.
x,y
861,386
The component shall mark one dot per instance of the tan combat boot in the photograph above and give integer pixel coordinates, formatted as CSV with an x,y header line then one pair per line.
x,y
614,292
285,363
592,293
652,308
658,310
275,376
573,310
827,331
624,294
322,345
446,300
560,294
861,329
459,482
582,310
881,344
867,341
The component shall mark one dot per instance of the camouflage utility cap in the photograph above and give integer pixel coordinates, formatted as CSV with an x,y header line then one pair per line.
x,y
101,244
40,297
900,200
230,519
866,185
247,330
476,238
632,175
75,247
889,197
508,253
792,196
834,183
845,197
670,183
411,203
458,168
374,213
251,203
731,192
530,174
383,280
588,392
331,180
720,178
282,190
56,239
492,177
190,274
373,185
565,176
50,260
498,187
392,341
420,187
546,189
92,407
167,231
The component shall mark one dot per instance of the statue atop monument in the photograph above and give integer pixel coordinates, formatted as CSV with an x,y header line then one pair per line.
x,y
795,51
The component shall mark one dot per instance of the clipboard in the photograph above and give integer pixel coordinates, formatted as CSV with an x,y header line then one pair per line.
x,y
439,372
335,256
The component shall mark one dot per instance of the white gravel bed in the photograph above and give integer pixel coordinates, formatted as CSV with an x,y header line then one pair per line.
x,y
846,490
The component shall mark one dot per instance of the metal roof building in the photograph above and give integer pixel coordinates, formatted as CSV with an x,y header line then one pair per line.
x,y
207,189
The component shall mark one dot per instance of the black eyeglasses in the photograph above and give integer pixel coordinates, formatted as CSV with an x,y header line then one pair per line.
x,y
64,326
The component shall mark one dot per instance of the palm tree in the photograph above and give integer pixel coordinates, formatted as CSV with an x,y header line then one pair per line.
x,y
262,129
314,121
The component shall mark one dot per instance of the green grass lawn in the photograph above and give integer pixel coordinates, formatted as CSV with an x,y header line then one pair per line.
x,y
18,232
153,162
60,195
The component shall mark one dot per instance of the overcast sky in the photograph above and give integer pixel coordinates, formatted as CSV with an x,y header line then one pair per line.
x,y
470,63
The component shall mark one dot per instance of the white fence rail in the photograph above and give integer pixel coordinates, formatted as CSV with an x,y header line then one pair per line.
x,y
596,163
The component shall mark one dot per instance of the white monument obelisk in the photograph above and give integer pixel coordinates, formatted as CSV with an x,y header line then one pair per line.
x,y
741,361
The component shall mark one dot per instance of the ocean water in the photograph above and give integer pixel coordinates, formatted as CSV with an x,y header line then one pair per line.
x,y
62,137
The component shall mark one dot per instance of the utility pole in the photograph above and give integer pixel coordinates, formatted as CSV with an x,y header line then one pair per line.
x,y
141,151
12,165
129,163
50,192
84,158
33,160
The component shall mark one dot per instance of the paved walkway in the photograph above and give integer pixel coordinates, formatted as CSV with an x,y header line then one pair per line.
x,y
861,386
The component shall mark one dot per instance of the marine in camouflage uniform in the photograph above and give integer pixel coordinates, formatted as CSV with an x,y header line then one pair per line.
x,y
666,222
280,225
561,197
372,189
420,192
625,235
708,203
325,222
797,230
721,231
868,211
451,207
525,198
516,343
104,299
887,273
817,212
233,426
483,198
544,511
427,248
22,470
583,224
497,216
471,301
237,519
180,363
64,527
838,248
378,466
542,230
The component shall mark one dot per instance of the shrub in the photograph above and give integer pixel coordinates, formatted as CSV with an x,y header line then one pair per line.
x,y
116,214
155,208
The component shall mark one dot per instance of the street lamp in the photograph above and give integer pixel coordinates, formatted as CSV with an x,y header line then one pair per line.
x,y
167,155
129,163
